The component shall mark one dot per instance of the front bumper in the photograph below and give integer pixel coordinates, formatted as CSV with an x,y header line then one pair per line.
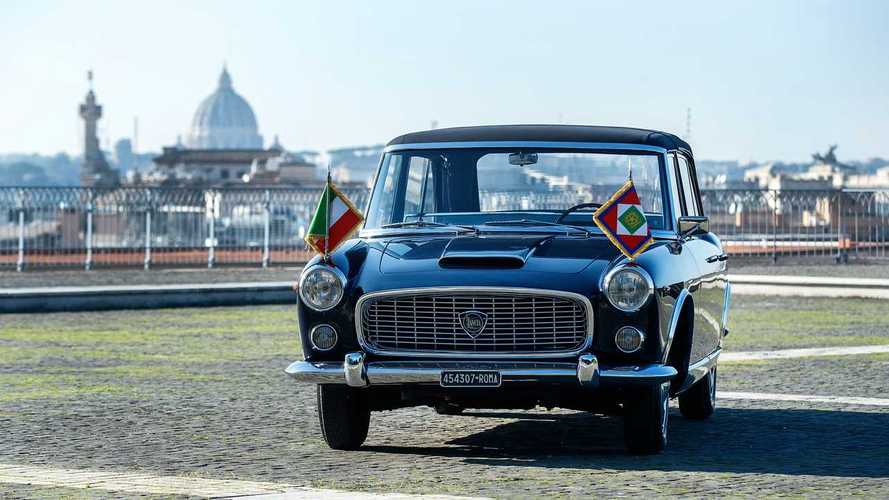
x,y
356,371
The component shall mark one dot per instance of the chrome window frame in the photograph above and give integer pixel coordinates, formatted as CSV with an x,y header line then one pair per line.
x,y
585,301
671,210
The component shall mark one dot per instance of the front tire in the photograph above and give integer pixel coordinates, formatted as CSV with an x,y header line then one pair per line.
x,y
699,401
645,419
344,415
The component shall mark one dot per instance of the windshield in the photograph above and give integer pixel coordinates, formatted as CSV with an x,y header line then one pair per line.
x,y
479,186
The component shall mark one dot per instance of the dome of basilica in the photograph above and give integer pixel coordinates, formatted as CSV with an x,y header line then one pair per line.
x,y
224,120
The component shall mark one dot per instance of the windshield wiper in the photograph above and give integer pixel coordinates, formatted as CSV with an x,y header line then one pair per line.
x,y
533,222
423,223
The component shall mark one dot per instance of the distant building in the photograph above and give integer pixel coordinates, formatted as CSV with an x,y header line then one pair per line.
x,y
825,173
224,120
355,165
94,169
180,167
223,147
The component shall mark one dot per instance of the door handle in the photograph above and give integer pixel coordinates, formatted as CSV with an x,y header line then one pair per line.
x,y
717,258
723,257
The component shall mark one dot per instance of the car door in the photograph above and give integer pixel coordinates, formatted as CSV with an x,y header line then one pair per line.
x,y
708,291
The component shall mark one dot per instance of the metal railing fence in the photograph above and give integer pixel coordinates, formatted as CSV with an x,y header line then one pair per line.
x,y
801,223
147,227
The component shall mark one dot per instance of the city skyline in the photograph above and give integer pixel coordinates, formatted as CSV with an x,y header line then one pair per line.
x,y
764,81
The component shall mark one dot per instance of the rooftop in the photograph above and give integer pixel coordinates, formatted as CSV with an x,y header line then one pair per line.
x,y
546,133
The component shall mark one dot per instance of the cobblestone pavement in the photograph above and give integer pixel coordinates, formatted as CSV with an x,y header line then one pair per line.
x,y
259,426
8,491
202,392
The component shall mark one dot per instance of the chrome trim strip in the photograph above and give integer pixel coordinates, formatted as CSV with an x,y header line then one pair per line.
x,y
429,372
482,289
673,186
606,146
699,369
726,304
674,321
434,231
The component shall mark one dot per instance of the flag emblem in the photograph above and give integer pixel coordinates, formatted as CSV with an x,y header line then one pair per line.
x,y
335,220
623,220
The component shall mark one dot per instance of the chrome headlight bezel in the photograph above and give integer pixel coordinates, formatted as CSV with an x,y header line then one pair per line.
x,y
646,278
340,278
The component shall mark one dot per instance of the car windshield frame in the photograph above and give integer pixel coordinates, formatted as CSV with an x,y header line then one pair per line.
x,y
666,182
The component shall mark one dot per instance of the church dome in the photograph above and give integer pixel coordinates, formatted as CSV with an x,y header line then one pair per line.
x,y
224,120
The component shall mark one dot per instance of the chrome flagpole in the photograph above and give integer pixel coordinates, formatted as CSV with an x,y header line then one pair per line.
x,y
327,191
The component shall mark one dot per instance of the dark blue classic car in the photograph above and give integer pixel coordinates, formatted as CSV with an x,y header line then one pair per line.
x,y
479,280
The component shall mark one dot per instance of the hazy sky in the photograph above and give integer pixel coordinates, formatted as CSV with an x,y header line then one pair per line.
x,y
764,80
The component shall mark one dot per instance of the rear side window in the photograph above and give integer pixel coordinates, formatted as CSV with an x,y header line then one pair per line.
x,y
691,203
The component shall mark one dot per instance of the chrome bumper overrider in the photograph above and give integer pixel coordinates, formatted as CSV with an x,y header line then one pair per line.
x,y
356,371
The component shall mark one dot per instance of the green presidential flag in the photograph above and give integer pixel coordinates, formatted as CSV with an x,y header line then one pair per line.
x,y
335,220
623,221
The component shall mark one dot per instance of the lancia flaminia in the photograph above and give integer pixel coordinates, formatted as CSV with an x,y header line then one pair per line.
x,y
481,280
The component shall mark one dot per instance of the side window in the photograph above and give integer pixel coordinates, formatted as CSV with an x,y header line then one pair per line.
x,y
417,193
689,193
382,207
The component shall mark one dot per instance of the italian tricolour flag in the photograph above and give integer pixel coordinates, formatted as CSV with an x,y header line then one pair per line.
x,y
623,220
336,218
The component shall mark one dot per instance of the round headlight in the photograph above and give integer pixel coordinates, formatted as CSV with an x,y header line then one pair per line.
x,y
323,337
628,288
628,339
321,287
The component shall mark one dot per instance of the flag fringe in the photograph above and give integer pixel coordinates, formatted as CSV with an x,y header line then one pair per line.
x,y
313,240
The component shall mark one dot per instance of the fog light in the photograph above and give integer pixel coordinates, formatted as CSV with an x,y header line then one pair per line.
x,y
629,339
323,337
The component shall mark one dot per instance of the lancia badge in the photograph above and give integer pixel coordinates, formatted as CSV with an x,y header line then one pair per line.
x,y
473,322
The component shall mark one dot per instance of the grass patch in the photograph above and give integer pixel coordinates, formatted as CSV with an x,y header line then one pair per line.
x,y
65,355
758,322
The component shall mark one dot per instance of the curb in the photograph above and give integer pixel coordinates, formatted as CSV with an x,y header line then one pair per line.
x,y
817,281
104,298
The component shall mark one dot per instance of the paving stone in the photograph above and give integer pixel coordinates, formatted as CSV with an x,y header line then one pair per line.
x,y
264,428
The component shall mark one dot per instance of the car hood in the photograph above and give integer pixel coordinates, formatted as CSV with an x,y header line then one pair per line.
x,y
559,254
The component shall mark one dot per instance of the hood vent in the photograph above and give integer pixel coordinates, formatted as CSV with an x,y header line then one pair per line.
x,y
484,261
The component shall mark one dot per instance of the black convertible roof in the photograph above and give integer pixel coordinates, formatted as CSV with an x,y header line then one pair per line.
x,y
545,133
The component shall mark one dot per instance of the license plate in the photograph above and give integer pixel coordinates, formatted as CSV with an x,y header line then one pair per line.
x,y
469,378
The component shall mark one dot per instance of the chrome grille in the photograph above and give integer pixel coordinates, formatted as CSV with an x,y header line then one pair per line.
x,y
520,322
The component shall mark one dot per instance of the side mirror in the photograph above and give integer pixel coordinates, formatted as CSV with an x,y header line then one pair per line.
x,y
690,225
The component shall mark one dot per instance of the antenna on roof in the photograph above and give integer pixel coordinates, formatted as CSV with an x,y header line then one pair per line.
x,y
688,125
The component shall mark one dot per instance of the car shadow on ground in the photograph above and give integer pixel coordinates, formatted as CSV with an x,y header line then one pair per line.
x,y
735,440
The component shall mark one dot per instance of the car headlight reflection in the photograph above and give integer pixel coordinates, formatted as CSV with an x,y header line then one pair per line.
x,y
321,287
628,288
